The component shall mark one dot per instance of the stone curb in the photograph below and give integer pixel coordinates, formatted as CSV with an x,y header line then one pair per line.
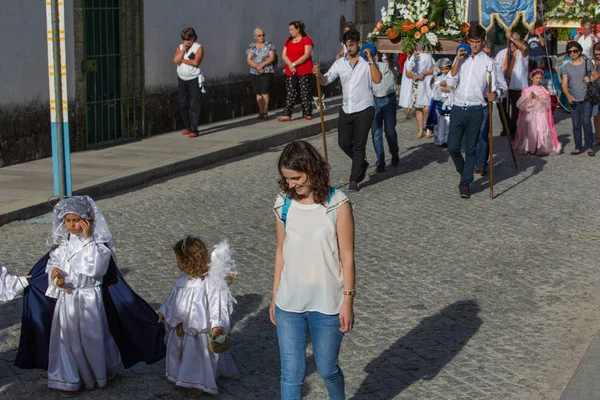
x,y
584,384
41,206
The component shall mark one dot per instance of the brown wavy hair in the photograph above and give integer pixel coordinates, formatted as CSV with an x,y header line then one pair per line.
x,y
194,255
301,156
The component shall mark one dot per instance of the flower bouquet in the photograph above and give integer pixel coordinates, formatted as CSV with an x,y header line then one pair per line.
x,y
570,13
420,24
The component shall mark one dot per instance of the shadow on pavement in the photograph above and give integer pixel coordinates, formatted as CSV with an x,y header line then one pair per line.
x,y
422,353
424,155
529,166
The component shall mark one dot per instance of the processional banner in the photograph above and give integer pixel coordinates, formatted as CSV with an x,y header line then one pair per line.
x,y
506,12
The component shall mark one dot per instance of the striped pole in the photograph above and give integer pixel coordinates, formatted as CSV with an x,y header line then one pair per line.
x,y
59,110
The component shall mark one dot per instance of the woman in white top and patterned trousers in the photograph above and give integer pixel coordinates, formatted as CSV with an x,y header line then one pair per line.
x,y
313,286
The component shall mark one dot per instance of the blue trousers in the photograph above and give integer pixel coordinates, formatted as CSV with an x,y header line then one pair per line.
x,y
326,339
483,145
385,120
581,115
465,123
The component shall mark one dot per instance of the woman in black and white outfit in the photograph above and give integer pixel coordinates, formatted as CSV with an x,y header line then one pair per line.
x,y
261,58
188,57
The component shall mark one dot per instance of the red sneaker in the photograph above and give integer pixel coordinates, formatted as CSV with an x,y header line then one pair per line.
x,y
193,135
186,132
308,118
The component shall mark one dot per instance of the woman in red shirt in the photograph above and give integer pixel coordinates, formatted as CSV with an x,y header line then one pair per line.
x,y
297,52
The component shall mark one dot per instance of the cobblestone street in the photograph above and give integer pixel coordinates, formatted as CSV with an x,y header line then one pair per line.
x,y
456,299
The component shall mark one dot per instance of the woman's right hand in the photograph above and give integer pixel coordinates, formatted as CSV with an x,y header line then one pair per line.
x,y
272,313
55,273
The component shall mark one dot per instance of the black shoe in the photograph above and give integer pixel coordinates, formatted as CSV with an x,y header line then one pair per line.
x,y
465,192
503,133
481,170
363,172
353,186
380,168
395,160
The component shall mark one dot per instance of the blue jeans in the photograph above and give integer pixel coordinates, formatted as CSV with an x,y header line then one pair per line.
x,y
464,123
581,115
326,340
483,145
385,119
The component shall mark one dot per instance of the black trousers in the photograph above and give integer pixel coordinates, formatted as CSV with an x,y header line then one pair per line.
x,y
513,97
353,132
190,97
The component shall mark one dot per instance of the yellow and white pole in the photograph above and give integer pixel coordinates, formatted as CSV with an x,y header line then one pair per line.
x,y
59,110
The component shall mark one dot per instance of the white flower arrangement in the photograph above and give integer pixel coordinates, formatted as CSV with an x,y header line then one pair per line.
x,y
421,23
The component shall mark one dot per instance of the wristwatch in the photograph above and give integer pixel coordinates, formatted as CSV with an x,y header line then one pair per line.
x,y
371,62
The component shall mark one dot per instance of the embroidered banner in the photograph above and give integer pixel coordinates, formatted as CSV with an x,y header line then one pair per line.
x,y
506,12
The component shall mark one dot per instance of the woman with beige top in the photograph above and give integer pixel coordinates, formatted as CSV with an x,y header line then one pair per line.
x,y
313,285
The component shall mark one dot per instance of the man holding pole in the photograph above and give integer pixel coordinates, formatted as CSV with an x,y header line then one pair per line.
x,y
356,115
483,147
470,77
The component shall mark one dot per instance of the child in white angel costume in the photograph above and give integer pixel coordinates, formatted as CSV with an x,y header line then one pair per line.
x,y
199,304
11,286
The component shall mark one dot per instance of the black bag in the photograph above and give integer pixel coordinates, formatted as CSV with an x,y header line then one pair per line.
x,y
593,90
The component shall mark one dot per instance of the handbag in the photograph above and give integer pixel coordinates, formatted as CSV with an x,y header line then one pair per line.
x,y
593,90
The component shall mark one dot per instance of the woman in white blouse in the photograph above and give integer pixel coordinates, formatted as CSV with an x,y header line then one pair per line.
x,y
313,285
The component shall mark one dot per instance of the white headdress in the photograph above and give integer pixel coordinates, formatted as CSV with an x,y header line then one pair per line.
x,y
86,208
442,62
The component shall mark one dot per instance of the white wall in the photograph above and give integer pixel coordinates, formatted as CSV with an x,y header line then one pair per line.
x,y
24,65
225,29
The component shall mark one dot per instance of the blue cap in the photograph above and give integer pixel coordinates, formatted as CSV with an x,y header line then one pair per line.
x,y
464,46
368,46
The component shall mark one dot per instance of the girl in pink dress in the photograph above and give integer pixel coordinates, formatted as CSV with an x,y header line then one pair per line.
x,y
536,133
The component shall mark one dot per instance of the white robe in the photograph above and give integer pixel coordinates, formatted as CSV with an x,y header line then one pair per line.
x,y
424,85
82,350
405,98
199,305
11,286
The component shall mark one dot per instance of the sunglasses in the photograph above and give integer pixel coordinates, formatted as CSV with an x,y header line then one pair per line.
x,y
573,51
260,35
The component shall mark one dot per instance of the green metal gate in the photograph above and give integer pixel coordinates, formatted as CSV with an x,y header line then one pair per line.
x,y
114,70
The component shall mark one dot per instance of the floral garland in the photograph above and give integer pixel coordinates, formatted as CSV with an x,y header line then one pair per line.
x,y
421,23
577,9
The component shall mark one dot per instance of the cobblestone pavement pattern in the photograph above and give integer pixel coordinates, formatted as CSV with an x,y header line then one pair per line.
x,y
456,299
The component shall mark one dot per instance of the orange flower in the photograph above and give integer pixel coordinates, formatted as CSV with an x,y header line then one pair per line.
x,y
419,24
464,28
425,21
417,35
379,25
392,33
424,29
407,26
431,24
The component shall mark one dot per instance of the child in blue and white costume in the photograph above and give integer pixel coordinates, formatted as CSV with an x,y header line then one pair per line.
x,y
438,118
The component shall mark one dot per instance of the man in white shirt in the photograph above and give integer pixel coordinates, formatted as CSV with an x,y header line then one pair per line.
x,y
384,94
356,115
469,76
514,61
586,39
483,146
